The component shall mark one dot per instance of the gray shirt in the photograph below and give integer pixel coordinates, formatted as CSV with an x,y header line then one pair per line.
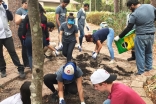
x,y
81,17
68,34
143,18
21,11
62,13
78,74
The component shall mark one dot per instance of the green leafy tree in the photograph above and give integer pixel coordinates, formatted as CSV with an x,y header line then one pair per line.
x,y
99,5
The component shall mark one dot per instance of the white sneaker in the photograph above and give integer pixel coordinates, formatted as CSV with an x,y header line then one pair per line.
x,y
112,61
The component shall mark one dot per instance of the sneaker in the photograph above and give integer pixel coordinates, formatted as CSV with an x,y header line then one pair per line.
x,y
3,74
55,97
112,61
22,74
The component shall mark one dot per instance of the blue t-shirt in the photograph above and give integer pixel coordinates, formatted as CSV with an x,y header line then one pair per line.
x,y
78,74
21,12
143,17
62,13
100,35
68,34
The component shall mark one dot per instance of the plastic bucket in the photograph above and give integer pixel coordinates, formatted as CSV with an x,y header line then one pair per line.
x,y
94,31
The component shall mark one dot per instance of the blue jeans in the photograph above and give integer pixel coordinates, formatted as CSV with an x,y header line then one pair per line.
x,y
28,44
143,52
108,101
81,28
110,39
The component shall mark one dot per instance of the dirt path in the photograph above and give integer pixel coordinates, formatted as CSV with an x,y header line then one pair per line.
x,y
122,68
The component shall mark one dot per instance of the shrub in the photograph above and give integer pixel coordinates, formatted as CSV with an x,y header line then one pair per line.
x,y
115,21
49,9
51,17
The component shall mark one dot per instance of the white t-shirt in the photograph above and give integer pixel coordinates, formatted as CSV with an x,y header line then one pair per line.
x,y
15,99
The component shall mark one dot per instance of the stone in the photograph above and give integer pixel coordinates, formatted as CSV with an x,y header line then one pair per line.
x,y
12,76
137,84
141,78
147,100
4,81
139,91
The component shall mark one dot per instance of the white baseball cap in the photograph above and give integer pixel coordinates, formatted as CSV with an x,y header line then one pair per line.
x,y
69,71
101,75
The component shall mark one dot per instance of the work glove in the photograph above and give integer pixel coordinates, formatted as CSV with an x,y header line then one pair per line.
x,y
93,52
4,5
23,17
116,38
94,55
83,103
79,47
87,28
57,53
60,46
61,101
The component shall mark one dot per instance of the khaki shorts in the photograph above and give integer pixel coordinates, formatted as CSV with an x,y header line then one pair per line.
x,y
49,52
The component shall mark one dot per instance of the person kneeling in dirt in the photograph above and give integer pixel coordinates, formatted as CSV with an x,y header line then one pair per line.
x,y
27,39
119,93
20,98
50,52
69,80
99,37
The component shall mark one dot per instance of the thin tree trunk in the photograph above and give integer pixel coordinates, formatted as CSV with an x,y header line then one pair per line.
x,y
13,6
116,6
37,44
121,2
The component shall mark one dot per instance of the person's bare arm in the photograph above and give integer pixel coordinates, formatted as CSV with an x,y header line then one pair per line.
x,y
80,89
77,38
50,47
57,20
60,36
60,89
98,46
18,19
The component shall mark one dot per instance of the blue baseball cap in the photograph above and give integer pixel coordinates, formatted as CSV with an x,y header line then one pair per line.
x,y
71,21
68,71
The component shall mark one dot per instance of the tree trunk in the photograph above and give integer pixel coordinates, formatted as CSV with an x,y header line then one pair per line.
x,y
121,2
116,6
37,52
13,6
153,2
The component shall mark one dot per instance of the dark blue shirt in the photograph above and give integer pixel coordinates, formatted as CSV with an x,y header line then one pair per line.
x,y
100,35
